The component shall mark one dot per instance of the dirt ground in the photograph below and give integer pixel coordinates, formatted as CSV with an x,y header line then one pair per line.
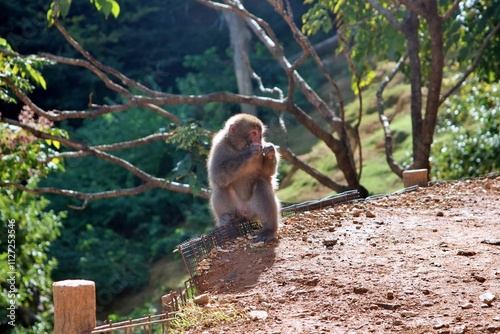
x,y
426,261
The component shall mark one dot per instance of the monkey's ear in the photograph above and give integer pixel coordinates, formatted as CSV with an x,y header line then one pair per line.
x,y
232,128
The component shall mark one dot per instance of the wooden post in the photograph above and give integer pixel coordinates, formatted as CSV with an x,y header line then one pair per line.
x,y
415,177
74,306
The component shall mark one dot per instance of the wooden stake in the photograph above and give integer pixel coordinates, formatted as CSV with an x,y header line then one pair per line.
x,y
74,306
415,177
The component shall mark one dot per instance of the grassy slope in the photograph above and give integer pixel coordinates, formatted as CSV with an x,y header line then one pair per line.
x,y
376,175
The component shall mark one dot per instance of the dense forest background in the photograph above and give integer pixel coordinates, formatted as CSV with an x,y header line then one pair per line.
x,y
178,47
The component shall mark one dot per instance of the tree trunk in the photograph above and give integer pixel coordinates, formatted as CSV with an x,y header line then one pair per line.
x,y
240,42
434,22
411,24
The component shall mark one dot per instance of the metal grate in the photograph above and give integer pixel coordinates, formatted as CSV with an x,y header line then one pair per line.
x,y
195,250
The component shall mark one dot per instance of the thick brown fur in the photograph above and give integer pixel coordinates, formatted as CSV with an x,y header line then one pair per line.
x,y
242,170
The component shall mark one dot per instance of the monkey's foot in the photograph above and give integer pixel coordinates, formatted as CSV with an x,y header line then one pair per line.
x,y
265,236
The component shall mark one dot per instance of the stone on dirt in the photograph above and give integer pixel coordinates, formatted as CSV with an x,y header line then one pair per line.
x,y
202,299
487,298
257,315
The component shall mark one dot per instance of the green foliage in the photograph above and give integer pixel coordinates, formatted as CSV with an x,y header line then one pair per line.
x,y
470,142
34,227
105,6
476,19
208,72
376,39
373,38
18,71
35,230
114,241
193,317
195,141
23,155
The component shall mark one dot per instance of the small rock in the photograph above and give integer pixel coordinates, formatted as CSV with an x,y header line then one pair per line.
x,y
360,290
408,314
487,298
466,253
261,297
201,299
397,322
459,330
493,328
466,306
480,279
427,304
257,315
440,325
369,214
265,304
495,242
440,214
390,295
388,306
330,243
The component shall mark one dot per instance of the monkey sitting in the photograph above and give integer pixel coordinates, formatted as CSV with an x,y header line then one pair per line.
x,y
242,170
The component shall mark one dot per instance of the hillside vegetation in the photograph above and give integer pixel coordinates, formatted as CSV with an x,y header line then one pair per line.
x,y
376,175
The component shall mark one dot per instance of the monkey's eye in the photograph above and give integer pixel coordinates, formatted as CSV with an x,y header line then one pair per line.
x,y
254,133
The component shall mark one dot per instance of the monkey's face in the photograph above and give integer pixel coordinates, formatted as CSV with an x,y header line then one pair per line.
x,y
255,137
245,135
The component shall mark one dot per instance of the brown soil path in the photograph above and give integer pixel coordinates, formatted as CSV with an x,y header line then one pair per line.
x,y
427,261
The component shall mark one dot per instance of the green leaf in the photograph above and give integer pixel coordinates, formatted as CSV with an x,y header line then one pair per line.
x,y
107,7
115,9
64,6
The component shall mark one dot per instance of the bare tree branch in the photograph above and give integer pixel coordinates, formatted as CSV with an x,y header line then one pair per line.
x,y
451,10
89,66
143,176
395,167
413,6
148,102
136,95
387,15
347,53
114,147
323,179
473,66
120,76
86,197
266,35
306,45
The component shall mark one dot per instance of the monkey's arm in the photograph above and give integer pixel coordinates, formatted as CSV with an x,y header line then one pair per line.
x,y
226,165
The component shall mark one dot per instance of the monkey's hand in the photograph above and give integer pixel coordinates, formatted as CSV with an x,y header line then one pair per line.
x,y
269,151
255,150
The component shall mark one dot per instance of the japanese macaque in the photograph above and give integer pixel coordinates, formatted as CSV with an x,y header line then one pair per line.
x,y
242,170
